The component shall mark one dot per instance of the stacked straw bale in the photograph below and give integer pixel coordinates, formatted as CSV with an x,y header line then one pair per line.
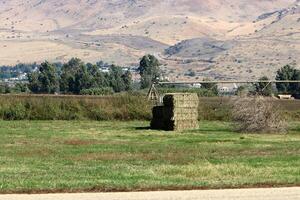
x,y
179,112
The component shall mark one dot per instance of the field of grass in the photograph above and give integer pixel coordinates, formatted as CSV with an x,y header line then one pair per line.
x,y
58,156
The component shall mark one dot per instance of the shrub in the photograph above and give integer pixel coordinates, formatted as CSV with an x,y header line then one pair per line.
x,y
258,115
14,112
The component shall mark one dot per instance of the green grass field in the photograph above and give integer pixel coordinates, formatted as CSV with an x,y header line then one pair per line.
x,y
59,156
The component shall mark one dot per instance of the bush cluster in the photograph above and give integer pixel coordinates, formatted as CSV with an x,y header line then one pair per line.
x,y
258,115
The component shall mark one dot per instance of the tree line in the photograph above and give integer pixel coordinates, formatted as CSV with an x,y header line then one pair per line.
x,y
77,77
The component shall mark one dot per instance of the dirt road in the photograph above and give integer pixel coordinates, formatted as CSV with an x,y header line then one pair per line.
x,y
241,194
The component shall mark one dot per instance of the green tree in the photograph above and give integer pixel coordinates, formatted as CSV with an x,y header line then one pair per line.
x,y
7,89
212,87
45,80
263,88
127,79
82,79
21,88
295,87
77,76
34,84
98,78
68,80
149,70
115,78
288,73
242,91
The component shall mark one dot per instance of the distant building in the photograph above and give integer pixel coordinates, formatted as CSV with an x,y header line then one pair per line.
x,y
125,69
228,89
286,97
224,89
104,69
196,85
22,77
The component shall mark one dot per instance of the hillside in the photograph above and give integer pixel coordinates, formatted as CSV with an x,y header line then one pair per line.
x,y
217,38
92,14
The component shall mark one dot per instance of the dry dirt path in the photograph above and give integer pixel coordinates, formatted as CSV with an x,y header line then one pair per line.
x,y
240,194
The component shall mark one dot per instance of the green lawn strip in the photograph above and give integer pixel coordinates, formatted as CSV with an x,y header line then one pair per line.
x,y
124,156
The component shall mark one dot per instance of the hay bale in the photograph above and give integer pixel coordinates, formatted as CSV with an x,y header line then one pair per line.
x,y
180,125
180,112
181,100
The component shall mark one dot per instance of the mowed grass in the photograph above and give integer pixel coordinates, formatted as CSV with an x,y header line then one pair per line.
x,y
73,156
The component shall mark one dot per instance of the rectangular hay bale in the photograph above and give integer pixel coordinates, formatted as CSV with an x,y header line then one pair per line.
x,y
181,100
180,112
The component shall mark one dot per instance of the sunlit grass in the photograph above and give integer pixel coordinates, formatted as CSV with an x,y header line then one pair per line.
x,y
109,156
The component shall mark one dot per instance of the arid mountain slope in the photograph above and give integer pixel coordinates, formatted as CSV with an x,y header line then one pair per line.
x,y
91,14
272,40
217,38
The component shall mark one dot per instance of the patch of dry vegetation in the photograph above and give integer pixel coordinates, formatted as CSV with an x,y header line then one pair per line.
x,y
258,114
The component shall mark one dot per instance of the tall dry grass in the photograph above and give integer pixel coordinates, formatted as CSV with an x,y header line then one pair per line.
x,y
114,107
41,107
